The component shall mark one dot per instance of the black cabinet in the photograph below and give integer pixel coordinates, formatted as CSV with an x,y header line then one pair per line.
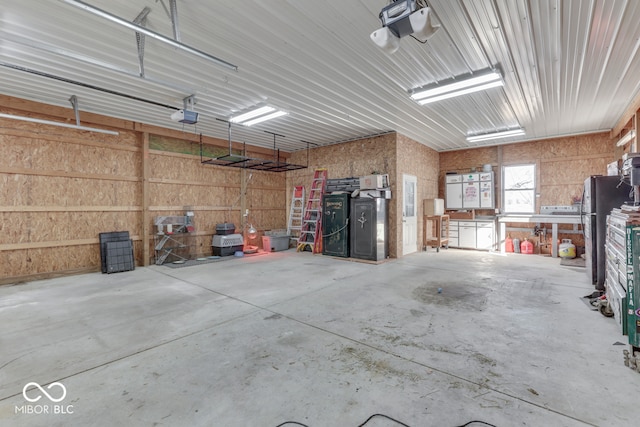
x,y
369,229
335,225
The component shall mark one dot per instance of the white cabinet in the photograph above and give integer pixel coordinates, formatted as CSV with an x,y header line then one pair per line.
x,y
487,199
467,234
472,234
484,235
453,197
453,234
470,191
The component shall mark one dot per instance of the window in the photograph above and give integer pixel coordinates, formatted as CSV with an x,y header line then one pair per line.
x,y
519,189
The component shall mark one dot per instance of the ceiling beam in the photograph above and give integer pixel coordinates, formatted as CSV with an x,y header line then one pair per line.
x,y
628,114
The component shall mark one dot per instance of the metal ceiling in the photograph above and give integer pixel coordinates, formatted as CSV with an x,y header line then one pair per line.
x,y
570,67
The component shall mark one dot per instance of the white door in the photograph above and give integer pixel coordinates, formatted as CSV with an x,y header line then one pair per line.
x,y
484,236
453,198
454,195
471,194
486,194
409,214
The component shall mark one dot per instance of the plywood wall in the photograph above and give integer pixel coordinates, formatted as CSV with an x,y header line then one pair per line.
x,y
392,154
179,182
62,187
350,159
562,165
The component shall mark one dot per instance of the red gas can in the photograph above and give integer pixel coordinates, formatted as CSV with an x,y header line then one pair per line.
x,y
508,244
526,247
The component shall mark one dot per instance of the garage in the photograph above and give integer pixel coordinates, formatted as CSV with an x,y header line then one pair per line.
x,y
366,213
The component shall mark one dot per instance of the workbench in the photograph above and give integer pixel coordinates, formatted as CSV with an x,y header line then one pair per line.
x,y
554,220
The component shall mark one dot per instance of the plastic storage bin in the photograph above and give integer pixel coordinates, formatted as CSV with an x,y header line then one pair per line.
x,y
275,243
225,229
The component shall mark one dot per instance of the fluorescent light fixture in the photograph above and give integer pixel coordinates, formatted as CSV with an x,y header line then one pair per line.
x,y
455,87
495,135
60,124
251,114
625,139
265,118
257,115
140,29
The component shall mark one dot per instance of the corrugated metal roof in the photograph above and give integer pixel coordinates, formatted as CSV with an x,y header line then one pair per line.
x,y
570,67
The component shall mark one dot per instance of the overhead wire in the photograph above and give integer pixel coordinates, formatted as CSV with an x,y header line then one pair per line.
x,y
390,419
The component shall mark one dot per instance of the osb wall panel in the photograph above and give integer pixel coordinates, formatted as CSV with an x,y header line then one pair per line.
x,y
179,181
222,208
561,181
38,227
14,127
464,160
32,262
62,187
562,163
99,160
15,189
15,263
525,152
180,142
171,166
350,159
42,190
422,162
62,156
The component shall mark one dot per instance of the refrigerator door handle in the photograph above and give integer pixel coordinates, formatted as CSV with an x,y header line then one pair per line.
x,y
582,213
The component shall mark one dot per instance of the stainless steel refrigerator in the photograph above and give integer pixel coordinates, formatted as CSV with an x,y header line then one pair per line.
x,y
601,194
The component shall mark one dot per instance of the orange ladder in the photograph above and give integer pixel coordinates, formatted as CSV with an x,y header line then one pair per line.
x,y
311,232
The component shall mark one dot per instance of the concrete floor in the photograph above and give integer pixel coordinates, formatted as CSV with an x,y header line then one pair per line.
x,y
261,340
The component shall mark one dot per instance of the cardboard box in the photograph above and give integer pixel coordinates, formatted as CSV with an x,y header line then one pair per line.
x,y
433,207
374,182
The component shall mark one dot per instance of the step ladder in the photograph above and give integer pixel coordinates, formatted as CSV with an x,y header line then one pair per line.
x,y
311,232
296,213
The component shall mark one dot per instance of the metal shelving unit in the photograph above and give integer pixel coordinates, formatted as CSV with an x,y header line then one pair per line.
x,y
173,237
